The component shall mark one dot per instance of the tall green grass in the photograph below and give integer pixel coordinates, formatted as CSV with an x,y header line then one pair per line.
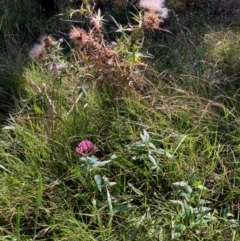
x,y
173,147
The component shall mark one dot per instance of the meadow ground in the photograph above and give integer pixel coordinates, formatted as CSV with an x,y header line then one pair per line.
x,y
166,128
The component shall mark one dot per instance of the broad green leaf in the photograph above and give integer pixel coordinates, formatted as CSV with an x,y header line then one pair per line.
x,y
187,210
95,163
180,228
152,146
144,136
153,161
137,145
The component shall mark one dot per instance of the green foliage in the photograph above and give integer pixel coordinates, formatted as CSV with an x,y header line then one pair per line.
x,y
167,162
224,51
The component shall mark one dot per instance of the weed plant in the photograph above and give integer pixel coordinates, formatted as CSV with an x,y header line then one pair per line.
x,y
105,141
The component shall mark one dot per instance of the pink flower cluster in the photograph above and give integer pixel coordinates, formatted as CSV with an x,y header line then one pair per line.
x,y
86,148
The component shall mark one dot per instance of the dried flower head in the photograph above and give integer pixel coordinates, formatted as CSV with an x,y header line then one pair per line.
x,y
151,20
79,37
101,55
86,148
48,40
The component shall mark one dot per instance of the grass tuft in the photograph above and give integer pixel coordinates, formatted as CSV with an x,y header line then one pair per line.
x,y
163,119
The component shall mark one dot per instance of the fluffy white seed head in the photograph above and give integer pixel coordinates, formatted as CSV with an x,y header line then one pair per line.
x,y
155,6
37,52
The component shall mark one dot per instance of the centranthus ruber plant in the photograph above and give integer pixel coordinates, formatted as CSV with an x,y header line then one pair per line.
x,y
87,149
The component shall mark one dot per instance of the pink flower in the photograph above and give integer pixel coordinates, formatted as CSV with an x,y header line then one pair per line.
x,y
86,148
56,67
114,43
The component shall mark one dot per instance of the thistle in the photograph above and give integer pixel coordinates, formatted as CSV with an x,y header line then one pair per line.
x,y
154,6
38,51
154,13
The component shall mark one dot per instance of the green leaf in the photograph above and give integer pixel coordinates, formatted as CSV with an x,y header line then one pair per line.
x,y
203,202
121,208
37,109
138,145
153,161
188,211
184,185
152,146
107,182
109,203
201,187
180,228
98,181
95,163
133,233
144,136
163,152
137,191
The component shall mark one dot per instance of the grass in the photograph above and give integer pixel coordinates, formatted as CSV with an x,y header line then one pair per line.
x,y
172,143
